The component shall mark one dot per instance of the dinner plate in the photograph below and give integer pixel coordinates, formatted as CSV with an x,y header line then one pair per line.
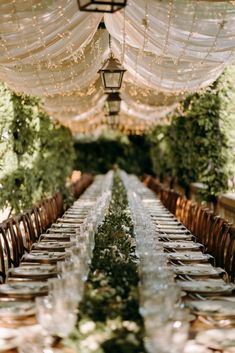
x,y
70,220
159,210
64,225
16,309
55,236
173,223
7,333
62,243
213,308
220,339
158,218
80,209
174,231
25,290
199,270
180,245
8,344
166,216
45,257
176,237
189,256
50,246
170,226
33,271
62,230
207,287
193,347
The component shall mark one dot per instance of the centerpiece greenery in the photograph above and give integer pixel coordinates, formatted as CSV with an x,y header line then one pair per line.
x,y
109,319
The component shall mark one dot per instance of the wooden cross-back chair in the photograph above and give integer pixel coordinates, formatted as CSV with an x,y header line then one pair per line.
x,y
12,244
180,206
164,196
232,260
59,204
222,244
228,249
5,254
215,228
18,233
153,184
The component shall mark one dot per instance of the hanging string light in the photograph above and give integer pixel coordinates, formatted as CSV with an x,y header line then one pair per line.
x,y
101,5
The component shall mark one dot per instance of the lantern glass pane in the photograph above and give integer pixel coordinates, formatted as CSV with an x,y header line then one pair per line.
x,y
113,106
98,8
112,5
112,119
112,80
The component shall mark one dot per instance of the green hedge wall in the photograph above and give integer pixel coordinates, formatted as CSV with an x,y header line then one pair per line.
x,y
198,144
129,153
36,155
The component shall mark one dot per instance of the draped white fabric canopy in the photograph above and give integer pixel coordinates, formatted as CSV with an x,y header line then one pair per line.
x,y
50,49
180,29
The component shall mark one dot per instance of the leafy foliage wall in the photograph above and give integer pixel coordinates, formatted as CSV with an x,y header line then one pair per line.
x,y
36,155
198,144
130,153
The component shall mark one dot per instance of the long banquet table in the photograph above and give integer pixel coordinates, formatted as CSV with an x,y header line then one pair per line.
x,y
204,290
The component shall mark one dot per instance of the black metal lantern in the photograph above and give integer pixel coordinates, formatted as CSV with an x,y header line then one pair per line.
x,y
112,74
101,5
112,104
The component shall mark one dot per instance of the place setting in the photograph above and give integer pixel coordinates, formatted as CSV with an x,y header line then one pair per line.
x,y
213,287
182,246
61,230
169,226
65,227
219,310
198,271
54,246
17,313
190,257
22,290
176,237
9,339
222,339
70,220
43,257
174,231
50,236
39,272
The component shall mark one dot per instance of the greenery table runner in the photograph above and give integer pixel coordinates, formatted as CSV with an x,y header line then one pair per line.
x,y
109,319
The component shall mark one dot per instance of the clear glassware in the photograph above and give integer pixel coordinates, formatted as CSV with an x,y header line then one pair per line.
x,y
180,329
158,338
56,316
45,315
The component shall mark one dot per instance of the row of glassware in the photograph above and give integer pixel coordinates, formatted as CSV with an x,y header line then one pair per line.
x,y
57,312
166,320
